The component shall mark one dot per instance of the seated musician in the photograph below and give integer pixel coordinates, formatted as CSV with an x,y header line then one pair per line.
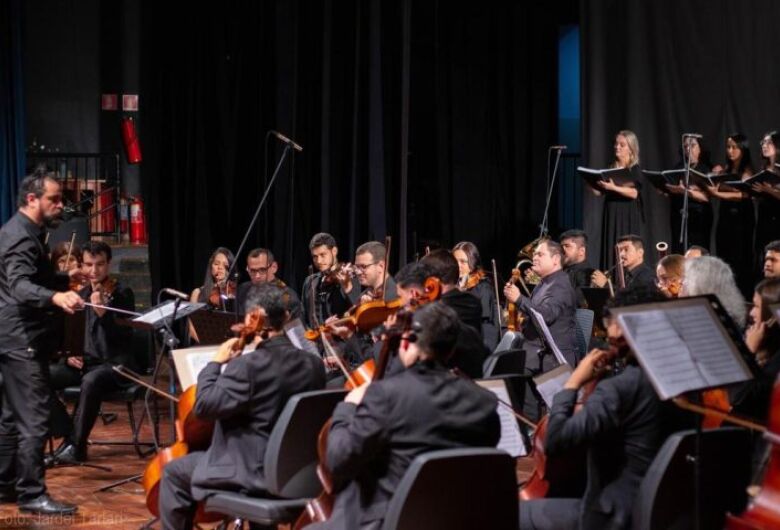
x,y
554,298
262,268
382,426
444,266
215,290
622,424
106,343
473,279
711,275
326,292
575,261
370,266
772,260
669,275
64,258
244,395
632,256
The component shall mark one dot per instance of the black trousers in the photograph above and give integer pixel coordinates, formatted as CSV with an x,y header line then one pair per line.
x,y
24,422
61,376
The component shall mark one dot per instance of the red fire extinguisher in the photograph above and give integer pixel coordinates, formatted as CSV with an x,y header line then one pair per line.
x,y
130,139
137,222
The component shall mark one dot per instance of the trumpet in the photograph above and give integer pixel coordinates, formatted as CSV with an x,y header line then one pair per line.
x,y
662,247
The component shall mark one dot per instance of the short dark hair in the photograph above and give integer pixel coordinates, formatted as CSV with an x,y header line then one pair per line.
x,y
472,254
772,246
553,247
578,235
257,252
270,298
634,239
443,265
436,328
95,248
34,183
704,251
413,274
375,248
323,238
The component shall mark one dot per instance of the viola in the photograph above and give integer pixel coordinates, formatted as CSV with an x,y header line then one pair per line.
x,y
192,433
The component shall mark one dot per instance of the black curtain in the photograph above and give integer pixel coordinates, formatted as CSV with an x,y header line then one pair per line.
x,y
473,87
662,68
12,159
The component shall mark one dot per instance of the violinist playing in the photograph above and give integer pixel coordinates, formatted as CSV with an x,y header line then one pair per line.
x,y
106,343
370,271
669,273
64,258
622,423
218,291
382,426
474,280
244,395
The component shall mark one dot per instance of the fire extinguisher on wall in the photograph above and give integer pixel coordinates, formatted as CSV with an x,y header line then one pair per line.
x,y
130,139
137,222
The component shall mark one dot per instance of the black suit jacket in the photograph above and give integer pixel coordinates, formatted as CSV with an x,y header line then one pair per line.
x,y
420,409
245,401
556,300
623,424
105,339
641,275
467,306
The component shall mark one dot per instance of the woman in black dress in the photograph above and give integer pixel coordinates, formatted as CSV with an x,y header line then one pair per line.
x,y
622,213
699,207
768,202
735,224
474,280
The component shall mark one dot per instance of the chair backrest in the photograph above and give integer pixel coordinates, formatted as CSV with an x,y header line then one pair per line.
x,y
666,495
291,455
456,489
584,319
504,362
510,340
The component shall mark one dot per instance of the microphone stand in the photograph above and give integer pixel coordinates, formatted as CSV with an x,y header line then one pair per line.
x,y
684,210
287,148
551,184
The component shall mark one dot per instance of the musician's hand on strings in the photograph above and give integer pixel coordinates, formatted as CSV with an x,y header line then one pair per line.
x,y
342,332
754,335
590,366
598,278
355,396
75,362
330,363
77,276
69,301
511,292
225,352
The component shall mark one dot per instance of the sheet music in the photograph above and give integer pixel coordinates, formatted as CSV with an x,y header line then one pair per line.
x,y
551,382
165,310
296,333
511,439
682,347
189,362
539,319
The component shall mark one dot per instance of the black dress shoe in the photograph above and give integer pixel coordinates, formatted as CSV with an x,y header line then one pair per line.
x,y
69,456
45,505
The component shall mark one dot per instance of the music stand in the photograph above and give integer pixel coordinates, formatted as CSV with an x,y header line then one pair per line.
x,y
212,327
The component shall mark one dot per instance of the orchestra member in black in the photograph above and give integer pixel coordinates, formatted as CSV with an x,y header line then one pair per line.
x,y
322,294
772,259
736,218
370,267
623,212
767,203
669,275
244,395
554,298
473,279
575,261
215,280
712,275
631,250
622,424
262,267
444,267
699,207
382,426
29,287
106,344
64,258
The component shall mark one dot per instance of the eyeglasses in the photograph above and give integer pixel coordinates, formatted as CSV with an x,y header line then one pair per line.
x,y
259,270
364,267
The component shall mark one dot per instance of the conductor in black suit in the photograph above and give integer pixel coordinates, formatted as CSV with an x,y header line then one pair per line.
x,y
245,401
554,298
622,424
381,427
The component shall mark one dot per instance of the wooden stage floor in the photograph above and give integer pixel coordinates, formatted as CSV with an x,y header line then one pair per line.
x,y
122,508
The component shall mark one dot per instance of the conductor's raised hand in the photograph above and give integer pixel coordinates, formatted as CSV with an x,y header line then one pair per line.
x,y
69,301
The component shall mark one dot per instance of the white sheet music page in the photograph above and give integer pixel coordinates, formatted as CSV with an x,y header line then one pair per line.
x,y
682,346
547,335
511,439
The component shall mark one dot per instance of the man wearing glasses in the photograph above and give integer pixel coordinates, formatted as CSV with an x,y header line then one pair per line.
x,y
370,266
262,268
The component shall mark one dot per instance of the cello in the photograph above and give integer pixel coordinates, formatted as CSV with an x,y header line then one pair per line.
x,y
192,433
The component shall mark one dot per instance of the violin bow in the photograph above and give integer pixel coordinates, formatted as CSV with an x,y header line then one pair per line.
x,y
70,247
332,353
388,242
495,287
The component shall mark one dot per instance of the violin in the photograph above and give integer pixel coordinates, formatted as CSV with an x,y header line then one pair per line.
x,y
192,433
330,276
223,290
472,279
515,319
107,287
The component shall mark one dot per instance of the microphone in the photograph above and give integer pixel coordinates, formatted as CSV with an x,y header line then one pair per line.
x,y
693,135
177,294
286,140
561,147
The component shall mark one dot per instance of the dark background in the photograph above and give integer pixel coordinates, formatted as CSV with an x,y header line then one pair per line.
x,y
450,106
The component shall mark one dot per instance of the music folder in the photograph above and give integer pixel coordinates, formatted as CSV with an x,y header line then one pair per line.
x,y
619,176
769,177
685,345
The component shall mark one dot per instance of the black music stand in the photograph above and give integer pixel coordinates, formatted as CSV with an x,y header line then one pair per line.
x,y
212,327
